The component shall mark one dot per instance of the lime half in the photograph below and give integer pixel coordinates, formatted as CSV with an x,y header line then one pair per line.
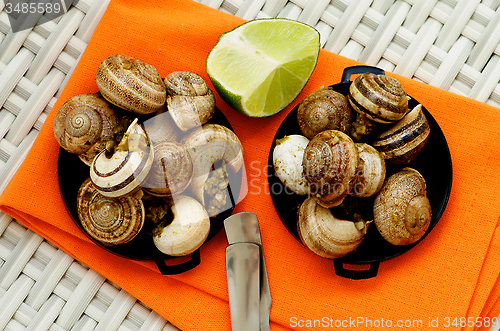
x,y
261,66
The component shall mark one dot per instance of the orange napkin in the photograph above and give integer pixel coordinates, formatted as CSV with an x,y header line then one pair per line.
x,y
449,280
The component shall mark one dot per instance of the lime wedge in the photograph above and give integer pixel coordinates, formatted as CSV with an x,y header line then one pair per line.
x,y
261,66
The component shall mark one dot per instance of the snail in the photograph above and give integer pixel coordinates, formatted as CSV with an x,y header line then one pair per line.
x,y
287,161
123,172
370,172
84,124
131,84
325,234
206,145
381,98
189,99
322,110
111,221
171,171
161,127
187,231
401,210
404,141
329,165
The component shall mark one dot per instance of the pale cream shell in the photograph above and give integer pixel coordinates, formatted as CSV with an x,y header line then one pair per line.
x,y
287,162
188,230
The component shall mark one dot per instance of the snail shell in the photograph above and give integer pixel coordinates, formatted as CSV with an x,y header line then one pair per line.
x,y
122,172
171,171
380,97
188,230
370,173
406,139
329,164
401,210
322,110
190,101
83,125
325,234
131,84
206,145
111,221
287,162
161,127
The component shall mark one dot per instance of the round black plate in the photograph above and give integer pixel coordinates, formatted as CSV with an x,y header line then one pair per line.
x,y
434,163
72,172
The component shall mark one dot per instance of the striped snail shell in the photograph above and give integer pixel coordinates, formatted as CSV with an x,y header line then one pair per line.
x,y
322,110
188,230
325,234
189,99
330,164
206,145
122,172
406,139
401,210
370,173
381,98
171,171
111,221
83,125
131,84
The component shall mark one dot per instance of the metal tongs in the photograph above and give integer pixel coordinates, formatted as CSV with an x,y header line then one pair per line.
x,y
247,282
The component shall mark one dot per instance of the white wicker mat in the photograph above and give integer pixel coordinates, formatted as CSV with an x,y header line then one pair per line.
x,y
451,44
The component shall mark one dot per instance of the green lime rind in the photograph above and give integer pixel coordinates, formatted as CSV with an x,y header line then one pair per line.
x,y
261,66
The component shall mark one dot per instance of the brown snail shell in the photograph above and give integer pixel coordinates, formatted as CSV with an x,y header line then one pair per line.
x,y
131,84
188,230
370,173
171,171
111,221
190,101
322,110
83,125
406,139
381,98
329,164
124,171
325,234
401,210
206,145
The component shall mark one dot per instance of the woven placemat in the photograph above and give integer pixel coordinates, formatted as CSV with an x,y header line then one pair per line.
x,y
450,44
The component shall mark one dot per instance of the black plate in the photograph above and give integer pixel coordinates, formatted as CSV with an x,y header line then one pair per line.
x,y
434,163
72,172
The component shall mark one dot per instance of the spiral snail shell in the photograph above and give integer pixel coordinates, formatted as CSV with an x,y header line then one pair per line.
x,y
370,172
401,210
406,139
325,234
322,110
131,84
189,99
171,171
124,171
188,230
206,145
330,164
161,127
111,221
83,125
381,98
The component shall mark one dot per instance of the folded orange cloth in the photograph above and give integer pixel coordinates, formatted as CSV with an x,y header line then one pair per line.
x,y
450,280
